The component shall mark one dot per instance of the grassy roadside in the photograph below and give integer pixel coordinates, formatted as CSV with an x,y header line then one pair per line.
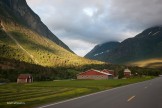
x,y
39,93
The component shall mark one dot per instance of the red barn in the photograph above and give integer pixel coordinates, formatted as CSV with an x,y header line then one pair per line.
x,y
127,73
109,71
94,74
25,78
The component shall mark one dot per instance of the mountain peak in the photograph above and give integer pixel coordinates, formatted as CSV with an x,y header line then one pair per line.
x,y
102,49
109,42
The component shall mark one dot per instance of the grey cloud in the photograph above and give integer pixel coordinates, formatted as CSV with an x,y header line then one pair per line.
x,y
138,13
103,20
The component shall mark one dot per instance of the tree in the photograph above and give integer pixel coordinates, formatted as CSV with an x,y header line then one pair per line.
x,y
120,74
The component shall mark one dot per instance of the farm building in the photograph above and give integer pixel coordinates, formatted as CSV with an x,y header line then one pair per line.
x,y
25,78
127,72
94,74
110,72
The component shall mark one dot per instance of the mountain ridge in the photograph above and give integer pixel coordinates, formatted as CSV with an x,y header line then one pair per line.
x,y
145,45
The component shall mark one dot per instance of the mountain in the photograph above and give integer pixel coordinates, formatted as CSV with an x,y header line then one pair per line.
x,y
143,50
24,38
22,13
101,50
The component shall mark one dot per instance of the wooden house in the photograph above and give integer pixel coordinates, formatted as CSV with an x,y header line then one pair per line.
x,y
25,78
127,73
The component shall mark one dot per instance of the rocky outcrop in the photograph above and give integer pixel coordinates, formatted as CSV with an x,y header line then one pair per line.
x,y
31,20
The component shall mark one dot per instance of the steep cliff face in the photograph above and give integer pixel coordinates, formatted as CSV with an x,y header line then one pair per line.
x,y
22,11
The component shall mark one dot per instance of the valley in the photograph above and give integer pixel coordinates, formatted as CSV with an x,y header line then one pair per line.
x,y
38,68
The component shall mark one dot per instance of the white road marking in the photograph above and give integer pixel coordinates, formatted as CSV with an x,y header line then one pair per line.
x,y
146,87
131,98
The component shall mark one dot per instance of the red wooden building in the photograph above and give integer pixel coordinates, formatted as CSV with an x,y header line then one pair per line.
x,y
110,72
25,78
94,74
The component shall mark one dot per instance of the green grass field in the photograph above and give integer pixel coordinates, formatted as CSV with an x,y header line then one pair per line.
x,y
38,93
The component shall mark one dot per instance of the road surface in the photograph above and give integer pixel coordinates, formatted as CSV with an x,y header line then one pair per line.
x,y
146,94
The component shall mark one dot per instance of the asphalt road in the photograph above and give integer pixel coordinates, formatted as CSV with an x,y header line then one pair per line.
x,y
146,94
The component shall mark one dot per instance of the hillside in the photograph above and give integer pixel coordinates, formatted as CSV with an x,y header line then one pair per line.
x,y
19,11
26,44
145,47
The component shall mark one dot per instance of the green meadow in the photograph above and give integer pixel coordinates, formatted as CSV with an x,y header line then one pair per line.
x,y
38,93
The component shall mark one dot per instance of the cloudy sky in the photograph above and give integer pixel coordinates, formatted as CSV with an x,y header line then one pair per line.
x,y
81,24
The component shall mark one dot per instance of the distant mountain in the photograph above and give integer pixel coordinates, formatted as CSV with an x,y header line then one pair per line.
x,y
101,50
24,38
143,50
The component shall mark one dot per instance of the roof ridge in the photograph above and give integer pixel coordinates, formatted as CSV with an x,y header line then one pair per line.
x,y
105,73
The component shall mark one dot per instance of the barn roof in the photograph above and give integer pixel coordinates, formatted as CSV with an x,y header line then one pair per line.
x,y
107,71
127,70
94,72
24,76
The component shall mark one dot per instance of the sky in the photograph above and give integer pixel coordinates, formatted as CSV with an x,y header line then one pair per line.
x,y
82,24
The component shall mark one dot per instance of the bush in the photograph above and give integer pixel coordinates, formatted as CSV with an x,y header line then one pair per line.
x,y
2,80
121,74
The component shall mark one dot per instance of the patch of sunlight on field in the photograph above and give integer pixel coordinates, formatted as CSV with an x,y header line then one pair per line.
x,y
153,63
